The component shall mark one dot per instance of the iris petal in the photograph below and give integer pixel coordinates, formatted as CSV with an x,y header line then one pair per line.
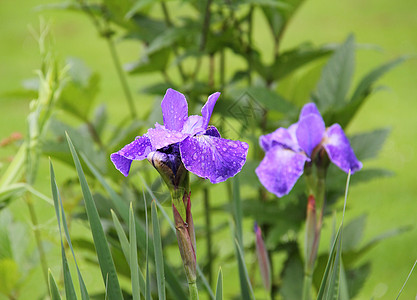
x,y
280,170
308,109
212,131
207,109
281,136
214,158
136,150
339,150
174,110
161,137
309,132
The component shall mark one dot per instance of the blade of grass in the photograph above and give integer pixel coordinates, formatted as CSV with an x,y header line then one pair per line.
x,y
329,288
237,212
69,286
409,274
53,288
124,243
100,242
219,287
245,286
148,279
134,266
159,259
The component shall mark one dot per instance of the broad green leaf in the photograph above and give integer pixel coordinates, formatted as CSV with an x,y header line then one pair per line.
x,y
353,232
292,277
245,285
9,275
219,286
270,100
363,89
53,288
336,78
292,60
172,280
102,248
154,62
159,258
367,145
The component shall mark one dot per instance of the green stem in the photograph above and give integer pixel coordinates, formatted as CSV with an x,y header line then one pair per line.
x,y
122,77
208,233
192,287
35,224
308,280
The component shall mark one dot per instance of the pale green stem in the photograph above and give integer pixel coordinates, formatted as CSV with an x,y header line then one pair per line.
x,y
192,286
308,280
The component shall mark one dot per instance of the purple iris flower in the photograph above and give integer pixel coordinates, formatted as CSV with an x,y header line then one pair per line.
x,y
186,139
287,150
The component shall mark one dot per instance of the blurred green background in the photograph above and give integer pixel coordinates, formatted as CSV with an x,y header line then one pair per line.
x,y
390,25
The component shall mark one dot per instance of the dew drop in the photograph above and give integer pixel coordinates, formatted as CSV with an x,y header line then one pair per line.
x,y
224,149
195,156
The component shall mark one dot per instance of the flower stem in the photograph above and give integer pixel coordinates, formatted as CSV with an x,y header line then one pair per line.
x,y
208,233
308,280
192,287
122,77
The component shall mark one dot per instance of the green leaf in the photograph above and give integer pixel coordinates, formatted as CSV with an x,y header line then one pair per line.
x,y
237,211
53,288
219,286
107,267
124,243
292,60
134,267
292,277
335,81
159,258
270,100
353,232
367,145
59,211
245,286
154,62
69,286
9,276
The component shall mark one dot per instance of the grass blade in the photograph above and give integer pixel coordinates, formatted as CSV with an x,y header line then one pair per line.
x,y
329,287
124,243
69,285
159,259
134,266
237,209
53,288
245,285
100,242
409,274
219,287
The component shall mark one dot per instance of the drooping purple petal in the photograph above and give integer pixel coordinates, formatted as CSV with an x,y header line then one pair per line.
x,y
280,170
194,125
136,150
212,131
281,136
207,109
310,132
309,108
161,137
174,110
339,150
214,158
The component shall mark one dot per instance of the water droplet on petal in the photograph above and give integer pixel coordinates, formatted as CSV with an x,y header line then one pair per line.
x,y
224,149
195,156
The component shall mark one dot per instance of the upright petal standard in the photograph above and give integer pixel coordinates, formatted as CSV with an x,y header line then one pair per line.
x,y
287,150
201,148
